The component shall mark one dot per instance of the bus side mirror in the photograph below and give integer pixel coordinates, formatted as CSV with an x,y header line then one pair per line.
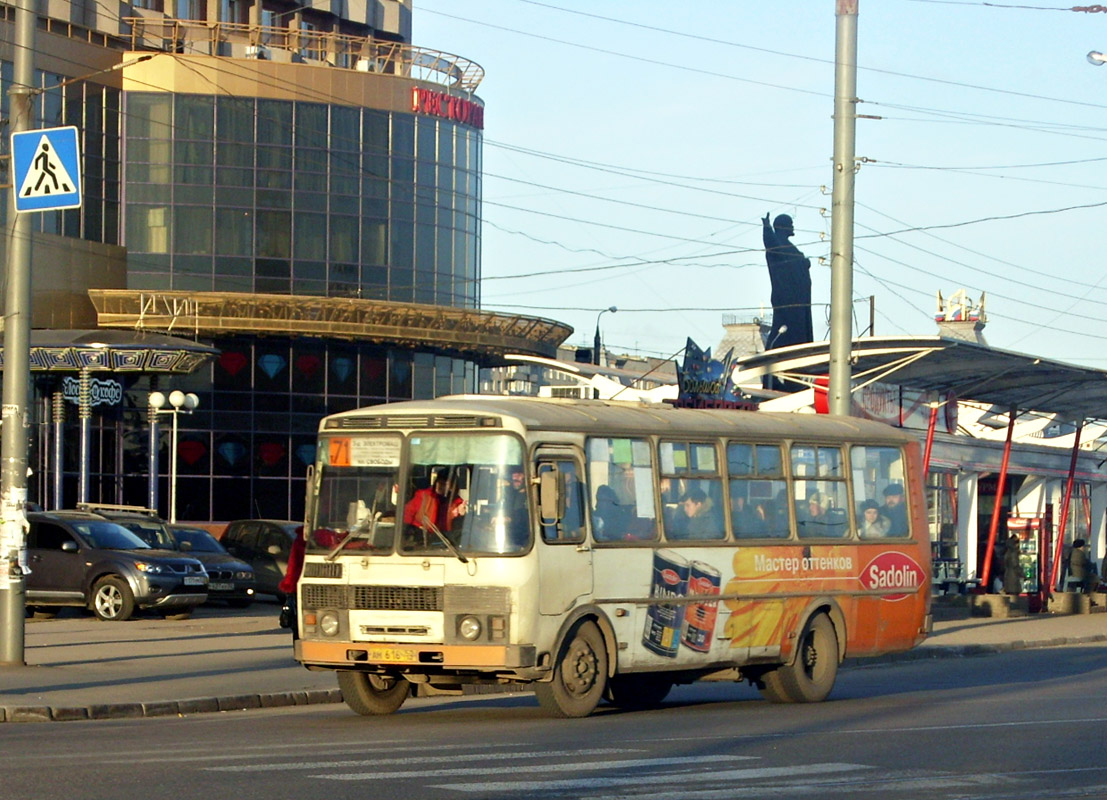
x,y
549,496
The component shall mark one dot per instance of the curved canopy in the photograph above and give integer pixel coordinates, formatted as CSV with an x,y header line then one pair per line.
x,y
113,351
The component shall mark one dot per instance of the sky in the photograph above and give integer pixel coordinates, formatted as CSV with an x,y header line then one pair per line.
x,y
631,148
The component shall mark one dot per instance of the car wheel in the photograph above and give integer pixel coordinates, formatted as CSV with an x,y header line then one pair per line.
x,y
373,695
579,675
811,677
112,599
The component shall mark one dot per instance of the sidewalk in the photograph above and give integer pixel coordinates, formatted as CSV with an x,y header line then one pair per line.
x,y
224,660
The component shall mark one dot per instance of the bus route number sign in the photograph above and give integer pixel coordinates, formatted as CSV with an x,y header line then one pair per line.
x,y
347,451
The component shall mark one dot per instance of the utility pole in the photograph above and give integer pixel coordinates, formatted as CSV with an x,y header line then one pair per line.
x,y
14,438
841,214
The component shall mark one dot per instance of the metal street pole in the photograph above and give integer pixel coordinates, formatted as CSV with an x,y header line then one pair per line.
x,y
14,438
841,216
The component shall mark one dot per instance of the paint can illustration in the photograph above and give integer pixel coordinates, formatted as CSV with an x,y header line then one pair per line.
x,y
664,620
699,617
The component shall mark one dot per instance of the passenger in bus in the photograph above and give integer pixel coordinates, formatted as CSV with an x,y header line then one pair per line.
x,y
515,512
874,525
747,521
773,521
700,519
609,518
438,505
895,510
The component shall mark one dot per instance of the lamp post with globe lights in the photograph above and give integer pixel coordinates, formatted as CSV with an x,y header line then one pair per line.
x,y
179,403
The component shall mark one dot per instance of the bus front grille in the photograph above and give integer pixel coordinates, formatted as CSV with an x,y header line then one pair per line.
x,y
373,598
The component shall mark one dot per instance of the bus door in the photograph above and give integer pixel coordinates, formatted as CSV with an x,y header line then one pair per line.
x,y
564,555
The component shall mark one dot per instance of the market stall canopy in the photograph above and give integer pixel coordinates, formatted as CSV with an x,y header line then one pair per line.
x,y
969,370
113,351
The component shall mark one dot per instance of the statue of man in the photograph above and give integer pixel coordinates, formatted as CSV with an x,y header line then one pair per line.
x,y
790,273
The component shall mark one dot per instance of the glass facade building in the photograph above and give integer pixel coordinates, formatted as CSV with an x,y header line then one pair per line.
x,y
299,191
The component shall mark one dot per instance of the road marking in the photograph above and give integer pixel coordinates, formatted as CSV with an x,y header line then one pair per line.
x,y
594,782
423,759
520,768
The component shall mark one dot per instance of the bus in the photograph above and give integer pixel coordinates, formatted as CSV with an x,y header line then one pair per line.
x,y
602,550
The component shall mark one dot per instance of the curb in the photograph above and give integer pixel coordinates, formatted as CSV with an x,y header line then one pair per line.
x,y
925,653
168,708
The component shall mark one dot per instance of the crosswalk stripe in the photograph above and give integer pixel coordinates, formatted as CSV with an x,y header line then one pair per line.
x,y
597,782
423,759
523,768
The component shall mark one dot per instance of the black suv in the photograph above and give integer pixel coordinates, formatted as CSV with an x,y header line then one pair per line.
x,y
230,578
264,544
81,559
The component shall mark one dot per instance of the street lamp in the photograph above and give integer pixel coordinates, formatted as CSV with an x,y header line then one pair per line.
x,y
1096,58
597,344
179,403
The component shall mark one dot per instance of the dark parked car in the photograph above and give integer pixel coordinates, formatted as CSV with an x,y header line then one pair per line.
x,y
230,579
78,558
264,544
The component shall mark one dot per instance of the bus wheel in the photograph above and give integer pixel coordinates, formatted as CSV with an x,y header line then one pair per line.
x,y
811,677
636,692
372,695
579,676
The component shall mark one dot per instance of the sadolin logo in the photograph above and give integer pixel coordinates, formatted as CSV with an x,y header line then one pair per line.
x,y
893,571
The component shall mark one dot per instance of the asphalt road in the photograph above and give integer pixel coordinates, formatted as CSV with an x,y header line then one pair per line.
x,y
1021,724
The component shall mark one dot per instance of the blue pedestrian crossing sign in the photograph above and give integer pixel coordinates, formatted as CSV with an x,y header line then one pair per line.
x,y
46,169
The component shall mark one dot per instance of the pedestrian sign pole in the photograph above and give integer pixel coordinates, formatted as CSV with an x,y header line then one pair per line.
x,y
14,435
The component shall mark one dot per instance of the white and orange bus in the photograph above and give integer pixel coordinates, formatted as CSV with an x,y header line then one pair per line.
x,y
604,550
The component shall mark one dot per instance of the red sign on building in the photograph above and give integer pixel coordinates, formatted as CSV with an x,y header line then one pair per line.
x,y
441,104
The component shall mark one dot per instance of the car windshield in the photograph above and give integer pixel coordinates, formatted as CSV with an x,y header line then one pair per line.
x,y
108,536
200,541
152,532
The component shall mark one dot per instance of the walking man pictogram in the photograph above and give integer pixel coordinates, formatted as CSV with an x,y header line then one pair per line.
x,y
45,169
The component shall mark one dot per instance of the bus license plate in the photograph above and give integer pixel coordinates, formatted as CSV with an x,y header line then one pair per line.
x,y
391,654
194,580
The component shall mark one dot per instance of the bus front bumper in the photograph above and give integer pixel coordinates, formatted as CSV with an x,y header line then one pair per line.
x,y
347,655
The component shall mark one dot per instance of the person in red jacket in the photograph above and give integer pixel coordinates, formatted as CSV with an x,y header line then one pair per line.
x,y
287,586
438,505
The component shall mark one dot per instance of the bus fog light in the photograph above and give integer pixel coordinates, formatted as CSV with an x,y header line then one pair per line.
x,y
328,623
469,628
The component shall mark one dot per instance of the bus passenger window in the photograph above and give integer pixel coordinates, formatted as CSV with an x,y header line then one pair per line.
x,y
821,492
691,491
758,491
882,487
621,470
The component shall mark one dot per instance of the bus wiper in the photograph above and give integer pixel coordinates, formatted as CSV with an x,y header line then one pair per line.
x,y
370,527
446,541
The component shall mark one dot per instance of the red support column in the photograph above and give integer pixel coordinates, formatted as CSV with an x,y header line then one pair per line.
x,y
929,441
986,574
1065,511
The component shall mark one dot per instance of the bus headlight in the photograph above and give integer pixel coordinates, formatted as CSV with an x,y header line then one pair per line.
x,y
469,628
328,623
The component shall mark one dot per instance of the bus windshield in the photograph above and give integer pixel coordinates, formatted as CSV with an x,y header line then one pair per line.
x,y
466,493
355,507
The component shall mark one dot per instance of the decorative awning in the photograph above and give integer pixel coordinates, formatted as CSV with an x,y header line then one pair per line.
x,y
113,351
970,370
481,335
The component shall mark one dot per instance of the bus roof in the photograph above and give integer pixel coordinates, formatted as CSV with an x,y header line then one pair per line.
x,y
571,414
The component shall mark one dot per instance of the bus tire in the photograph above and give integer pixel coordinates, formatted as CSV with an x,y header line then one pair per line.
x,y
638,692
579,676
811,677
373,695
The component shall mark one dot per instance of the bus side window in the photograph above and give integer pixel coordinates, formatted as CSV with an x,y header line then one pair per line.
x,y
568,526
621,477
